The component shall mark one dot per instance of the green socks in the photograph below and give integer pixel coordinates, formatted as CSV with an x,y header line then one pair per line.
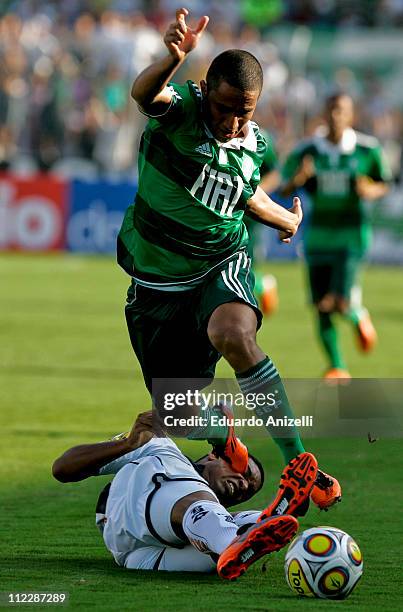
x,y
214,434
264,378
329,339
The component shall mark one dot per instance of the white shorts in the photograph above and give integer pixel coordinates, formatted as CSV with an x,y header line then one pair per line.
x,y
186,559
137,523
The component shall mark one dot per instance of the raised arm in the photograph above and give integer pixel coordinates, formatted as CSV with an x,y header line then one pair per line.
x,y
265,210
150,88
86,460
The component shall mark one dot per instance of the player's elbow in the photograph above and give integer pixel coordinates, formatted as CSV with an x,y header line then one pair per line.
x,y
138,94
59,471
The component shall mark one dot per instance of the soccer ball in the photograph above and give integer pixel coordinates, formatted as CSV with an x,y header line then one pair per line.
x,y
323,562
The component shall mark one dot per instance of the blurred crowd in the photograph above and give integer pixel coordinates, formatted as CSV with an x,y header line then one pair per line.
x,y
67,66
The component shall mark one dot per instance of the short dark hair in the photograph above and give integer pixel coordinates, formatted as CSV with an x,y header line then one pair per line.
x,y
261,470
200,469
238,68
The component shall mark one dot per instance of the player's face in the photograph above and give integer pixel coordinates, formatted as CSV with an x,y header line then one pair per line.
x,y
229,486
227,109
340,114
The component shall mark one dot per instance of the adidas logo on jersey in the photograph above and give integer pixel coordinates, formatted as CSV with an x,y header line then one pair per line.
x,y
204,149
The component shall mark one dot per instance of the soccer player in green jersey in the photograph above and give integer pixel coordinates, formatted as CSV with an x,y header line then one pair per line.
x,y
184,242
341,169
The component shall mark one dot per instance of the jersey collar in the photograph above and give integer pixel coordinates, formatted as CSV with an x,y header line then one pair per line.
x,y
346,145
248,142
348,141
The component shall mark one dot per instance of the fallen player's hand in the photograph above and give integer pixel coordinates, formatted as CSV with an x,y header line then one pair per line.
x,y
294,221
145,427
180,39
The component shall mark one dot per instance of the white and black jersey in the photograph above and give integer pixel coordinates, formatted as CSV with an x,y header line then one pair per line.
x,y
148,482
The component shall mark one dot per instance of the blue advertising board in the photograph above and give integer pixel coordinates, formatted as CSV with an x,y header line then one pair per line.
x,y
39,212
96,213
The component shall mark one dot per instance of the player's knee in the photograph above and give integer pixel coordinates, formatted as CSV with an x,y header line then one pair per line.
x,y
235,339
197,496
327,304
59,472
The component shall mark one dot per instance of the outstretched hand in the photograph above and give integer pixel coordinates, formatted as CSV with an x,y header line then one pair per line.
x,y
296,210
180,39
145,427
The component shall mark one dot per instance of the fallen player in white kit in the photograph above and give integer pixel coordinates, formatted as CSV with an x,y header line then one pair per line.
x,y
163,512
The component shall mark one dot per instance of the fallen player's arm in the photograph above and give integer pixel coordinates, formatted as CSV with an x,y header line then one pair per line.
x,y
150,88
263,209
86,460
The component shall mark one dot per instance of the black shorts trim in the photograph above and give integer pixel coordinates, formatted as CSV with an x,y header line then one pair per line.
x,y
159,559
102,499
157,485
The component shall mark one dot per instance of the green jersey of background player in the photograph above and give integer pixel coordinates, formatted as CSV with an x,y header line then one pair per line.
x,y
340,168
184,241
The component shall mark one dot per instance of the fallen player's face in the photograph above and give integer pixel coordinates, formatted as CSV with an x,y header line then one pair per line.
x,y
229,486
227,110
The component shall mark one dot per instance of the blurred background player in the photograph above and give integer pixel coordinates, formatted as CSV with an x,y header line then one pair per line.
x,y
341,169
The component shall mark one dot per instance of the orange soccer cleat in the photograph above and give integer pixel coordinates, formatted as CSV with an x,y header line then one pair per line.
x,y
336,376
326,491
367,336
296,483
233,451
253,542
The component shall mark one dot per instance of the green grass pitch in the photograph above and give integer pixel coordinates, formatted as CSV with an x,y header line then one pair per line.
x,y
68,376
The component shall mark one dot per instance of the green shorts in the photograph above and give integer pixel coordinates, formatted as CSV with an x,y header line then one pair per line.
x,y
168,329
332,272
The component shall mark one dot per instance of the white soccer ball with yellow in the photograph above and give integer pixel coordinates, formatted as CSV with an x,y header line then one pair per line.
x,y
323,562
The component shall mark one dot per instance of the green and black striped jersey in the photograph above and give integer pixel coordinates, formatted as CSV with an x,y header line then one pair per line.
x,y
187,217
